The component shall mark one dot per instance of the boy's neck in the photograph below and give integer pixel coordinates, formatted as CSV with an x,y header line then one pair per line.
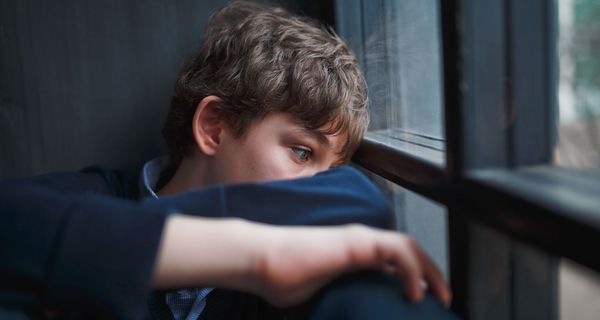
x,y
190,175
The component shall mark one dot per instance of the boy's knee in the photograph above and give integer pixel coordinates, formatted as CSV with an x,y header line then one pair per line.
x,y
374,295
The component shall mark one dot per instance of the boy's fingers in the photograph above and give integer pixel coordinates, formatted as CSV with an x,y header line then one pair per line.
x,y
416,267
401,254
435,279
407,262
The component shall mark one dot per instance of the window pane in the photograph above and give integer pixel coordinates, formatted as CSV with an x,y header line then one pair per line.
x,y
423,219
579,84
398,43
579,291
550,287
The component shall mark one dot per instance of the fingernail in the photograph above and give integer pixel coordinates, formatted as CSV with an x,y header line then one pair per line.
x,y
418,297
447,304
448,301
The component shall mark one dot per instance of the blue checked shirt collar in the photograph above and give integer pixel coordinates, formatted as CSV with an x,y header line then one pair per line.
x,y
185,304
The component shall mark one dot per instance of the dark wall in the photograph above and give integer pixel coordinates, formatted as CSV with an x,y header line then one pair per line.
x,y
88,82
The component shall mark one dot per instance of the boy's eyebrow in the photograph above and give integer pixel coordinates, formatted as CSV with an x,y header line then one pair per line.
x,y
317,135
322,139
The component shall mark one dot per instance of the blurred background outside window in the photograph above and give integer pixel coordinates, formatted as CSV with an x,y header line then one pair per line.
x,y
578,144
579,84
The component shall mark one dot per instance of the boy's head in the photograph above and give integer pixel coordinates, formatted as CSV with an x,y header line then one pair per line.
x,y
261,66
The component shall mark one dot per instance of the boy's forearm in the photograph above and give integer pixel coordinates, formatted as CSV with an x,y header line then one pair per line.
x,y
335,197
285,265
208,252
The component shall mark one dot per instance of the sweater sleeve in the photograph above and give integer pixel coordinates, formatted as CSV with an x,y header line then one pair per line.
x,y
63,249
334,197
75,251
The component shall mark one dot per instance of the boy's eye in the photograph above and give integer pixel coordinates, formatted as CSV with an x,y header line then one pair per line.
x,y
302,154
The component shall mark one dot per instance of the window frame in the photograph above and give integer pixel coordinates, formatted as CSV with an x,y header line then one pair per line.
x,y
483,41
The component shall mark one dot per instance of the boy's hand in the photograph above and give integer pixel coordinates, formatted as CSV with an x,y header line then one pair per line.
x,y
298,261
286,265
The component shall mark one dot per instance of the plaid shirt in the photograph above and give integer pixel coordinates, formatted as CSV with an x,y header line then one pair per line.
x,y
185,304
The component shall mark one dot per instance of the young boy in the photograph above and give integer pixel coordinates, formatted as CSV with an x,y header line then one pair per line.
x,y
270,96
271,89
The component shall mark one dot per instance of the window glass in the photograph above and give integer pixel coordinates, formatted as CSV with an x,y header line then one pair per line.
x,y
398,45
425,220
579,291
578,132
551,286
579,84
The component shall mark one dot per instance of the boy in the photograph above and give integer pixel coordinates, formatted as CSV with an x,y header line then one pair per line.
x,y
270,96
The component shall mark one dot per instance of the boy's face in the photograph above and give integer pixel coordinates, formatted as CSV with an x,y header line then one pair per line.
x,y
275,147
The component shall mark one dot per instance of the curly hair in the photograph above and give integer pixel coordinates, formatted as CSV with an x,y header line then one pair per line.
x,y
260,59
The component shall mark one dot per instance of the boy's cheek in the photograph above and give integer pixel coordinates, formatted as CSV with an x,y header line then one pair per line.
x,y
265,165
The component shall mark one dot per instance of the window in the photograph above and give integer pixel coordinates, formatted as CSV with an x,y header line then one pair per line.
x,y
403,72
420,217
578,131
486,111
404,77
579,84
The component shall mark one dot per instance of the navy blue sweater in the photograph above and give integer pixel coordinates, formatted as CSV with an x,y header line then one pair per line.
x,y
79,241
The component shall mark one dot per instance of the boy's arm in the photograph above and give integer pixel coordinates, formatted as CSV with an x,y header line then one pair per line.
x,y
62,250
286,265
334,197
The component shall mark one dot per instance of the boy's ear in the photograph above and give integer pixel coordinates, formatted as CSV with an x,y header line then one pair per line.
x,y
208,125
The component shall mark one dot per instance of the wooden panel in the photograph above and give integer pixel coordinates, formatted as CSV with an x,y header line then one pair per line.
x,y
88,82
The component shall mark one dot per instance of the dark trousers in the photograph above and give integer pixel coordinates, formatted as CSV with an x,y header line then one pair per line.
x,y
370,295
364,295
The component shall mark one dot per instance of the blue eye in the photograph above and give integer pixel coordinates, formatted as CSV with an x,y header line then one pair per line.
x,y
302,154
